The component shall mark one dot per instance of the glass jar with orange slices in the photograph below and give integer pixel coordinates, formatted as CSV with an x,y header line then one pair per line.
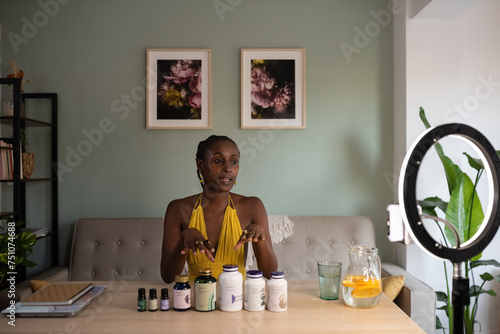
x,y
362,284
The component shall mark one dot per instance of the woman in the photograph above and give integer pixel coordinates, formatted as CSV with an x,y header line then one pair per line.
x,y
212,228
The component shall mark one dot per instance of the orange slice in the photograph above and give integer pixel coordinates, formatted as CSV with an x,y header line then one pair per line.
x,y
366,292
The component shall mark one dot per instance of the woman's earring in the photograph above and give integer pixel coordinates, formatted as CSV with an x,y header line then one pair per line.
x,y
234,182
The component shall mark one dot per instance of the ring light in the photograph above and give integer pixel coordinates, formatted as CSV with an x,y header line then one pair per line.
x,y
408,200
413,220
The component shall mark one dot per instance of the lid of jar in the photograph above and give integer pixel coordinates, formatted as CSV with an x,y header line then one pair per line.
x,y
182,278
230,267
206,271
254,274
277,274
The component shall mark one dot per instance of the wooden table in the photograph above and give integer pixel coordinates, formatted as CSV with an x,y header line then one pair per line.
x,y
116,312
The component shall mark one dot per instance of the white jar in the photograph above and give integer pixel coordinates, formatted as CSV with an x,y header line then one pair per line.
x,y
277,299
230,288
255,291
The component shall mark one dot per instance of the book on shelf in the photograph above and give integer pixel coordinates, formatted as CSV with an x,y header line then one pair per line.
x,y
58,294
7,162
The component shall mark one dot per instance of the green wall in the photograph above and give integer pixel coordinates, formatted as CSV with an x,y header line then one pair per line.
x,y
93,54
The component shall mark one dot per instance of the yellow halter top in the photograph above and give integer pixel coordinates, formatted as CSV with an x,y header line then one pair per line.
x,y
229,235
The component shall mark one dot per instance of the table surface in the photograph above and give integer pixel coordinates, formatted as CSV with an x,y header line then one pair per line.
x,y
116,312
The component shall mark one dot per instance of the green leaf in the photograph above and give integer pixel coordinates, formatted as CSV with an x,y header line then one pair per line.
x,y
27,263
451,170
441,296
438,324
497,278
430,203
477,164
474,264
423,117
459,211
476,257
487,277
475,291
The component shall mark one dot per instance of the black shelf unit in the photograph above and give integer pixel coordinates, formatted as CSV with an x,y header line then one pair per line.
x,y
20,123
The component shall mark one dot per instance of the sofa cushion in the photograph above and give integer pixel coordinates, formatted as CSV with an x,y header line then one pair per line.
x,y
318,238
116,249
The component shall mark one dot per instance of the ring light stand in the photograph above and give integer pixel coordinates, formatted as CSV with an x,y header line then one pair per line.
x,y
413,220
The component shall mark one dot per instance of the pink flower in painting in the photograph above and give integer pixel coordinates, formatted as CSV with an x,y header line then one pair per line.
x,y
283,99
195,84
195,101
195,87
262,87
184,70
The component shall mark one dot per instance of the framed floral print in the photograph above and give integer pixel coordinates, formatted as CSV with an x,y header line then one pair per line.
x,y
178,89
273,88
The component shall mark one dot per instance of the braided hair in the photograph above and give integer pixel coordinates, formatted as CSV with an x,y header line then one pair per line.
x,y
204,145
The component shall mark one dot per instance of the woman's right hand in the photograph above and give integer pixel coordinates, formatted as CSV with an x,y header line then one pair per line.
x,y
195,241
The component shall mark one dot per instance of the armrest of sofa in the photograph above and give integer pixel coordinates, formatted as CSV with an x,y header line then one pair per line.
x,y
416,299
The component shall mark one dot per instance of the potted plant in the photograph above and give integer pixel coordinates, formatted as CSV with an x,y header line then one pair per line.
x,y
14,248
465,212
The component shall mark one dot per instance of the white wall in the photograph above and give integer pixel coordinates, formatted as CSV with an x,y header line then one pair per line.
x,y
448,62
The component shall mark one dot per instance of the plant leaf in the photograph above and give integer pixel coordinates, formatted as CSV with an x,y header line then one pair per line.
x,y
474,264
477,164
430,203
459,211
475,291
487,277
451,170
441,297
438,323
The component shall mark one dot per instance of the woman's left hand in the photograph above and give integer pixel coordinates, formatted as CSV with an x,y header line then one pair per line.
x,y
252,233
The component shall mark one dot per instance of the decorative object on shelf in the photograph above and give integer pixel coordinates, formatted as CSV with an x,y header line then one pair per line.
x,y
465,212
28,158
23,246
28,164
8,109
18,73
178,89
273,89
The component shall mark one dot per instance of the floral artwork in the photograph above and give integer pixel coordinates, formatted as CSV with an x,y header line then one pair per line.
x,y
272,88
272,92
178,89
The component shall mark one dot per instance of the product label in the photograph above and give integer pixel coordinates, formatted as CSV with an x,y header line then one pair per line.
x,y
205,296
277,299
231,296
141,305
165,304
153,304
182,299
255,297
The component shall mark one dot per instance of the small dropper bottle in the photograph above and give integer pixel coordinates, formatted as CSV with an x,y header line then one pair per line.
x,y
164,303
153,300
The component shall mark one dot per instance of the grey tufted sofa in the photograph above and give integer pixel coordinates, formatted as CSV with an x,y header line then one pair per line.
x,y
126,249
130,249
